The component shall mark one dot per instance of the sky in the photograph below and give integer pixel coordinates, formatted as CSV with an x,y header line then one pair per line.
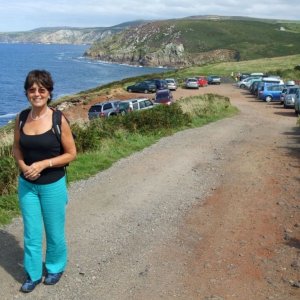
x,y
21,15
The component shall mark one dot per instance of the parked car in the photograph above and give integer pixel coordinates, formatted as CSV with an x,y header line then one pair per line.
x,y
202,81
243,76
142,87
289,96
127,106
297,102
290,83
191,83
257,74
265,81
172,84
283,94
104,109
160,83
214,79
242,83
254,86
270,92
249,83
163,97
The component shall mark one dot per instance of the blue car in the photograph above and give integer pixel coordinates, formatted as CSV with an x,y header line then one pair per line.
x,y
270,92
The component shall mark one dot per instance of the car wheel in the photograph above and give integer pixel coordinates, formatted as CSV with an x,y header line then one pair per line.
x,y
268,99
146,91
242,86
129,90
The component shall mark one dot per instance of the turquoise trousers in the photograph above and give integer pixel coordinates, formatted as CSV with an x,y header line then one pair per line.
x,y
43,207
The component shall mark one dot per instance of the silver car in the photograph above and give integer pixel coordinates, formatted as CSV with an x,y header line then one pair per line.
x,y
172,84
191,83
104,109
297,102
289,96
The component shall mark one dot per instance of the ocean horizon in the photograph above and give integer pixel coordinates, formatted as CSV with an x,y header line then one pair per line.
x,y
71,72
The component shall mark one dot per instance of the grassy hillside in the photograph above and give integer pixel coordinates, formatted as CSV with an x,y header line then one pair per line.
x,y
248,39
253,39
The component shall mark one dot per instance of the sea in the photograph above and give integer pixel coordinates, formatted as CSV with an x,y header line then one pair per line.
x,y
71,72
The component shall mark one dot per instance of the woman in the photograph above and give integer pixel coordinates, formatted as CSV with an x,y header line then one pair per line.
x,y
42,189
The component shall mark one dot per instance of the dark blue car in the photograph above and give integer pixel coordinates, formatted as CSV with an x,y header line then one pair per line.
x,y
142,87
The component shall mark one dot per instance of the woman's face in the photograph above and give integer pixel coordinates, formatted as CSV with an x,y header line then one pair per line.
x,y
38,95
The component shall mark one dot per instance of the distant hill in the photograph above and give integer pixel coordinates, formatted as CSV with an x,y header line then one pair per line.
x,y
199,40
64,35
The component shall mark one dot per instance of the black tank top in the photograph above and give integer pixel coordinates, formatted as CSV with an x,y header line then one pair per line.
x,y
39,147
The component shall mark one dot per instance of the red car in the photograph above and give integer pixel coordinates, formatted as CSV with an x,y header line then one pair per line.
x,y
202,81
164,97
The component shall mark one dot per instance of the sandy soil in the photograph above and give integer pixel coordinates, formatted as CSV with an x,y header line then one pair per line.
x,y
210,213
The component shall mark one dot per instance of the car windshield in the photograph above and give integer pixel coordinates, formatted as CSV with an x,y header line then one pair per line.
x,y
162,95
293,91
95,108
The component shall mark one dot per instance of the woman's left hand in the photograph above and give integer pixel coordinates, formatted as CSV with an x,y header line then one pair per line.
x,y
33,172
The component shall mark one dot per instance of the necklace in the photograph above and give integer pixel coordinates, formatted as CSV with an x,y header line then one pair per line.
x,y
38,117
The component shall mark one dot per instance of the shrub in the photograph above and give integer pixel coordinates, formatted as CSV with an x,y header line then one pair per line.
x,y
90,135
87,137
297,68
8,175
161,117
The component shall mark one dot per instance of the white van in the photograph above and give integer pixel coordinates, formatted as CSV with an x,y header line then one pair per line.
x,y
257,74
275,80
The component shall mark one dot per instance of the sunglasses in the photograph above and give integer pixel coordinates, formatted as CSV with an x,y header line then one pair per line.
x,y
40,90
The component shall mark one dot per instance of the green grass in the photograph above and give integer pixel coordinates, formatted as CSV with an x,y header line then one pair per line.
x,y
257,65
90,163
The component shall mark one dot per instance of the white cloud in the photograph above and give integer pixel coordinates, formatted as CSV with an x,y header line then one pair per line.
x,y
24,15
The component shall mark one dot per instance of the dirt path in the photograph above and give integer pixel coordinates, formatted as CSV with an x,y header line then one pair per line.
x,y
209,213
